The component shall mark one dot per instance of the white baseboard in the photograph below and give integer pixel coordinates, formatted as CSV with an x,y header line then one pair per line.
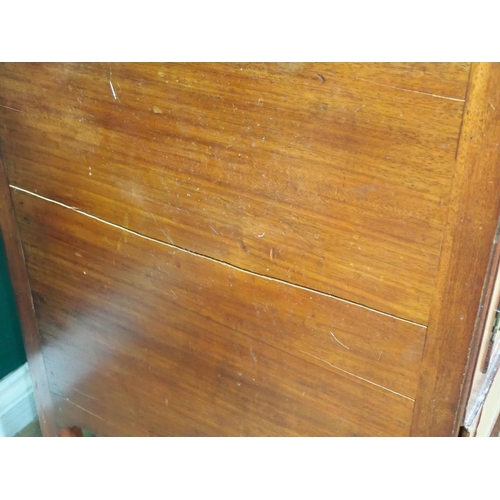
x,y
17,403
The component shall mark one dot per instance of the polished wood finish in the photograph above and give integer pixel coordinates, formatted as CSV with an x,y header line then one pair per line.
x,y
24,303
474,212
332,176
141,338
256,249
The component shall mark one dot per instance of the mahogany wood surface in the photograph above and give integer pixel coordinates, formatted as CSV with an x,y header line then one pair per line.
x,y
467,248
140,338
255,249
332,176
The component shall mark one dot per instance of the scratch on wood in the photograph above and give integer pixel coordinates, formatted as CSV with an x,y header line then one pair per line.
x,y
357,376
76,390
12,109
82,408
343,345
112,89
167,236
414,91
159,227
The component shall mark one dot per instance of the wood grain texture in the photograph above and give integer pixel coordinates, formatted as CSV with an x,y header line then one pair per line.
x,y
141,338
496,428
332,176
25,308
473,218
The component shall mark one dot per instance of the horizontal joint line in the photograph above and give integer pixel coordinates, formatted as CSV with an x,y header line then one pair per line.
x,y
212,259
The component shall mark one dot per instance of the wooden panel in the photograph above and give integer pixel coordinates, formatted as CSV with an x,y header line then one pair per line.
x,y
25,308
141,338
332,176
467,248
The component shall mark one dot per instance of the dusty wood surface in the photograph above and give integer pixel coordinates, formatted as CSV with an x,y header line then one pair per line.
x,y
278,189
332,176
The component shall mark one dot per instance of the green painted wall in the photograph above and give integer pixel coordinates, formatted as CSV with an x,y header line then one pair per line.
x,y
12,353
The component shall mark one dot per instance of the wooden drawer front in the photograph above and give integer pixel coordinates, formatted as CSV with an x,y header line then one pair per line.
x,y
332,176
140,338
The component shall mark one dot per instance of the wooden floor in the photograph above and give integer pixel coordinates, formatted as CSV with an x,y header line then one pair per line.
x,y
225,249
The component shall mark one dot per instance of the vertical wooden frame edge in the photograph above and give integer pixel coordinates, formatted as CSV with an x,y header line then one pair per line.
x,y
466,252
25,307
